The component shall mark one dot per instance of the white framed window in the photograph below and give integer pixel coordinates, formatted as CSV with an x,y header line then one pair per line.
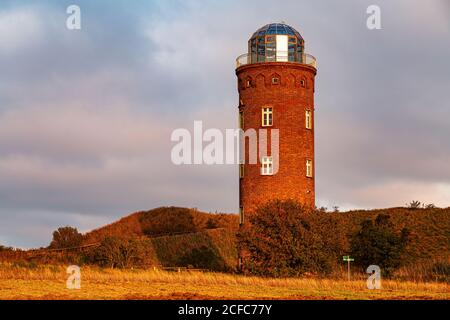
x,y
308,119
241,170
241,215
267,117
275,80
266,166
309,168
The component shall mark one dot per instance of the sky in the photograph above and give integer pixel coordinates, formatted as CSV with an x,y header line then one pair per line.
x,y
86,115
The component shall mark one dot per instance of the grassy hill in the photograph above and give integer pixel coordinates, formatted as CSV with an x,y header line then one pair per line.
x,y
164,221
180,237
430,229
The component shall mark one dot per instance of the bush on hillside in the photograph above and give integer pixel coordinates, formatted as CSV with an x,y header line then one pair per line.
x,y
115,252
211,224
203,257
377,243
3,248
414,205
66,237
286,239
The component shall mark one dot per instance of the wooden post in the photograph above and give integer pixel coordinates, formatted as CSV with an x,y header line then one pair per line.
x,y
348,259
348,263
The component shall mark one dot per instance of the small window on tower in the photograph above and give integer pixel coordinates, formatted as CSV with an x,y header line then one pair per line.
x,y
309,168
308,119
267,117
241,215
241,170
248,83
303,83
266,166
275,80
241,120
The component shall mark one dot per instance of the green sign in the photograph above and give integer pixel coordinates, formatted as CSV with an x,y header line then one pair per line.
x,y
347,258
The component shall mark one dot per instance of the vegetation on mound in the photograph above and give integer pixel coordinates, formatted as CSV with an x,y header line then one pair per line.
x,y
162,222
66,237
285,239
378,244
208,241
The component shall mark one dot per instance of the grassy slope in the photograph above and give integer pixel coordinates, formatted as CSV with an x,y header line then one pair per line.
x,y
430,229
167,250
132,225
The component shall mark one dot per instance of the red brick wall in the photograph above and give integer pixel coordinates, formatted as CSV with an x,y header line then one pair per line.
x,y
289,101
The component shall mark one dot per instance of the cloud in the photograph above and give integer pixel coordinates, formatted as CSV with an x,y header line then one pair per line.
x,y
431,19
19,30
34,228
86,117
71,132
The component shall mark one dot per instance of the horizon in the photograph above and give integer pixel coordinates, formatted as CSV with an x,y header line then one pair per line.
x,y
94,228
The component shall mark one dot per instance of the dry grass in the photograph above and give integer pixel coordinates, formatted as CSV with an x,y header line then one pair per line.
x,y
49,282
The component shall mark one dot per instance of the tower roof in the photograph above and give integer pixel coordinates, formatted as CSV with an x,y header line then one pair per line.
x,y
277,29
276,42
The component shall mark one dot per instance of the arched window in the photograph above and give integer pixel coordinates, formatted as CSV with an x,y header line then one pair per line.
x,y
276,79
248,82
303,82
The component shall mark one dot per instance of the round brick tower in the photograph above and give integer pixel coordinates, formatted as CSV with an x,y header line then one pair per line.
x,y
276,91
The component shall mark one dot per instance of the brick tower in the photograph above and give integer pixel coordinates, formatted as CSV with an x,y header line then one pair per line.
x,y
276,91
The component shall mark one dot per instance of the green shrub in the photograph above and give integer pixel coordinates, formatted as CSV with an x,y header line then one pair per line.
x,y
203,257
283,238
66,237
3,248
115,252
377,243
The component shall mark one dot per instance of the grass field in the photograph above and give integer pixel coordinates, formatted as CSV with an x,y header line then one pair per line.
x,y
50,283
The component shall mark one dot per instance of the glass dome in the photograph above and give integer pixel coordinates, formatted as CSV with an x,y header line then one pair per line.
x,y
276,42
